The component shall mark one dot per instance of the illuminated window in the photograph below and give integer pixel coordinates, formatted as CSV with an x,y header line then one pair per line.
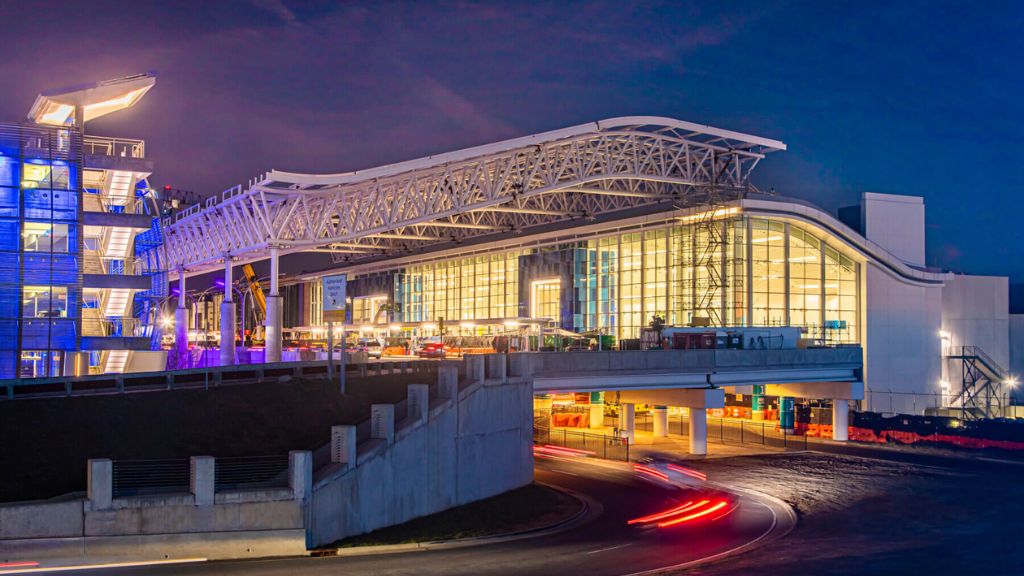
x,y
369,310
841,296
768,268
44,302
545,299
45,237
804,280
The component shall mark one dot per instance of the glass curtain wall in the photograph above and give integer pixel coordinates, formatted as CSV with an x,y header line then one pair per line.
x,y
742,271
40,276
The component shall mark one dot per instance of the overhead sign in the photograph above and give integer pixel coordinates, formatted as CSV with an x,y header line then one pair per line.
x,y
334,288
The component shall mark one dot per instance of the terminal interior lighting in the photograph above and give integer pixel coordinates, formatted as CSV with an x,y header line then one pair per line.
x,y
395,327
512,323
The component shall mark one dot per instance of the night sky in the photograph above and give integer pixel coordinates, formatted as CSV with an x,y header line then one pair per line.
x,y
921,98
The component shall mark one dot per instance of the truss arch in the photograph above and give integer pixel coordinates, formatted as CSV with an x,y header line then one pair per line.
x,y
570,174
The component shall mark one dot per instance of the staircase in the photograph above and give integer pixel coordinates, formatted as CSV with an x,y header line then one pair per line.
x,y
120,191
118,241
117,302
981,393
92,322
116,361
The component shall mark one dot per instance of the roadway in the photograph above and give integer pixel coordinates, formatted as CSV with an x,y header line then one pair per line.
x,y
603,545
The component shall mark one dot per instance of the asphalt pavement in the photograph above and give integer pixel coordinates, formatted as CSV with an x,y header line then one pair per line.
x,y
604,545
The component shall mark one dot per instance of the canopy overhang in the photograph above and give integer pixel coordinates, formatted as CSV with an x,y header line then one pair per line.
x,y
573,174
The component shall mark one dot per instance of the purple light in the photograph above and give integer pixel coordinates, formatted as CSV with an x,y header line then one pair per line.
x,y
175,291
219,283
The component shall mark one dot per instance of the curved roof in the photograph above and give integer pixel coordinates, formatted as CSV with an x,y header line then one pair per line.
x,y
580,172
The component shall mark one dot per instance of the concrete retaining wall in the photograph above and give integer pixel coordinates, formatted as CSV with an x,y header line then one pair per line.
x,y
465,451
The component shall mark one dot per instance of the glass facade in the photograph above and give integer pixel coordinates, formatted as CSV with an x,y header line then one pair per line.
x,y
736,271
40,277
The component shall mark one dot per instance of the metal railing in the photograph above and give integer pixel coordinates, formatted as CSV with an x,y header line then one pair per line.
x,y
727,431
140,477
123,327
117,147
250,472
599,445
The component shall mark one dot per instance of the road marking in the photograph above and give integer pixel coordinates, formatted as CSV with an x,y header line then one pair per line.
x,y
101,566
607,549
564,472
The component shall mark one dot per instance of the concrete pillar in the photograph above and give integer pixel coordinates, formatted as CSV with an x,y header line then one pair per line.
x,y
787,415
181,333
698,431
202,479
418,402
840,420
660,422
100,478
300,473
343,445
627,419
475,367
382,422
597,409
274,312
497,369
227,333
448,382
757,403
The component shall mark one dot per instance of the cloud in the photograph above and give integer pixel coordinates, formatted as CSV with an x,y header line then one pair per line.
x,y
277,8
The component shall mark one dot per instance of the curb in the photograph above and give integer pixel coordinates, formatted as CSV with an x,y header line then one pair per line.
x,y
589,510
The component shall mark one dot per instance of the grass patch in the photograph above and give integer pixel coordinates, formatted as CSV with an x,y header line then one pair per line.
x,y
530,507
47,440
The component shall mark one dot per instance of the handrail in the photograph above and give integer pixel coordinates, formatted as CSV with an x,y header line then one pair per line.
x,y
114,147
967,351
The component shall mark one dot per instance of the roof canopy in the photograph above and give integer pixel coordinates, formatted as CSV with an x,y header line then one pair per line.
x,y
57,107
510,187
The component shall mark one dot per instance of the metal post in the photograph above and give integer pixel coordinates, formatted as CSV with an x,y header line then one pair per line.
x,y
343,361
330,350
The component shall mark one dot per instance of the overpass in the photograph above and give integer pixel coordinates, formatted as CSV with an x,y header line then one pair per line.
x,y
698,380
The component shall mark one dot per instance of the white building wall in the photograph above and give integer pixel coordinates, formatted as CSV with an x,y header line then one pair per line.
x,y
896,223
1016,322
976,312
903,355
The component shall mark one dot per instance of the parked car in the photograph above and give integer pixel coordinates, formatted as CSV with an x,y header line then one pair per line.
x,y
431,350
371,346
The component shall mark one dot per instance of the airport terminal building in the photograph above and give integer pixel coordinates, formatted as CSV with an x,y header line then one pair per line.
x,y
596,229
593,236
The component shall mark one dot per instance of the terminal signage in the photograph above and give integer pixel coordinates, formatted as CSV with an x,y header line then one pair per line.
x,y
334,288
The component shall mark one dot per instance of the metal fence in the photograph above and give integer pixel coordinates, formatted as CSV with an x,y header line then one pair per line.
x,y
599,445
726,431
251,472
140,477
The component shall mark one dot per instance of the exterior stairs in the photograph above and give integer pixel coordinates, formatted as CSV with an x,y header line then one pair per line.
x,y
116,361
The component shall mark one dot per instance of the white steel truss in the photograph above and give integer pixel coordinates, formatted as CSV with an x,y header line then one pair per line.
x,y
577,173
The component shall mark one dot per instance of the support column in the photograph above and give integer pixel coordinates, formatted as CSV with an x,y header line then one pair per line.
x,y
227,318
840,420
787,416
181,322
597,409
273,321
660,422
698,431
627,418
757,403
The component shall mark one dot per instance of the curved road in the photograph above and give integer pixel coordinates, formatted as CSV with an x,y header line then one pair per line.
x,y
604,545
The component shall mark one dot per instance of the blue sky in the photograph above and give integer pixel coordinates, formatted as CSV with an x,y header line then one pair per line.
x,y
922,98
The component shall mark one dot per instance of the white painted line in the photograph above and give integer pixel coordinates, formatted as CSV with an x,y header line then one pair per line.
x,y
607,549
40,570
564,472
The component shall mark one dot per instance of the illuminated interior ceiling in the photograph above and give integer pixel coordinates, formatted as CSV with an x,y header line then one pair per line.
x,y
57,107
559,178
